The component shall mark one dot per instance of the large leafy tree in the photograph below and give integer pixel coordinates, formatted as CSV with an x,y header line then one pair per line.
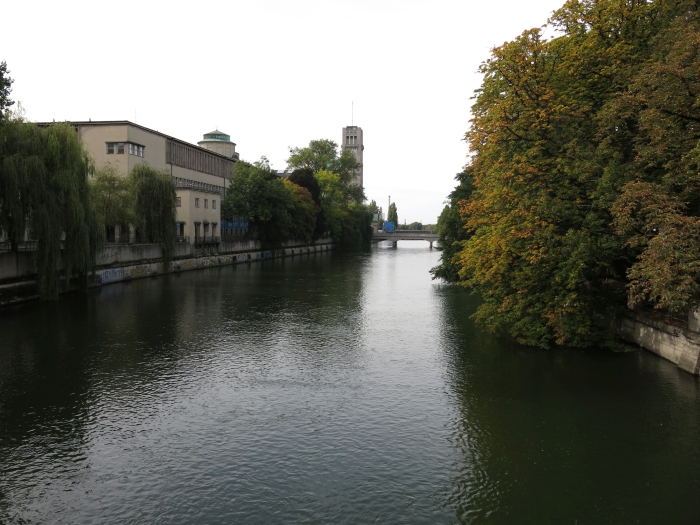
x,y
342,212
658,209
259,196
44,192
555,135
324,155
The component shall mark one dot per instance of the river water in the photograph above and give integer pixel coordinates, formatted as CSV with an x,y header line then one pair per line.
x,y
328,389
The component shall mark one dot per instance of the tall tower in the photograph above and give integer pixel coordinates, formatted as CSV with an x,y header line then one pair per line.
x,y
352,140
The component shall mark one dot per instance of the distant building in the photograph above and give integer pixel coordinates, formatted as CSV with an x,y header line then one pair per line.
x,y
352,140
201,173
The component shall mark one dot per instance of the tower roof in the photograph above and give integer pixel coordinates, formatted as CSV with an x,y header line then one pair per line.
x,y
216,135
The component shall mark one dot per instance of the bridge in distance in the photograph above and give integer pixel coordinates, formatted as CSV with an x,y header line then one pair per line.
x,y
406,235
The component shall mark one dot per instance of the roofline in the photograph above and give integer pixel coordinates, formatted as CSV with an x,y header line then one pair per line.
x,y
129,123
216,140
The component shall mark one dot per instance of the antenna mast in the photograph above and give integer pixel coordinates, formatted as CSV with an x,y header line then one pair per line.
x,y
352,117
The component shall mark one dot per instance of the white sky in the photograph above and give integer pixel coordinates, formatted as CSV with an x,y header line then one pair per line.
x,y
274,74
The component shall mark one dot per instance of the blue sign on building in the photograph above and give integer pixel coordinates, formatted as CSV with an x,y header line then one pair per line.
x,y
234,224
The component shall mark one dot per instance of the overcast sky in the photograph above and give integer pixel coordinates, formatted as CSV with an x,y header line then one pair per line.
x,y
274,74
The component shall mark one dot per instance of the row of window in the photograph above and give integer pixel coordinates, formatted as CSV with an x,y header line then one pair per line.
x,y
120,147
187,183
178,203
206,203
351,140
197,160
234,231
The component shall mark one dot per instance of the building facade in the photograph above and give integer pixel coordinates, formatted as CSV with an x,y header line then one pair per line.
x,y
353,140
201,174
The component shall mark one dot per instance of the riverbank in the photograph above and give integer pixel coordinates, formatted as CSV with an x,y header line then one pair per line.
x,y
679,345
119,263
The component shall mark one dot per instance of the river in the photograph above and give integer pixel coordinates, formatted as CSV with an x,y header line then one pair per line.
x,y
331,388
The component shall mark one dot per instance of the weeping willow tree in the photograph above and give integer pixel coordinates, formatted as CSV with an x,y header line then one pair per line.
x,y
153,200
111,198
44,191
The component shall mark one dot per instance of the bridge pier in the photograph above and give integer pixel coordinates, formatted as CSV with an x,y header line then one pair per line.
x,y
431,244
394,244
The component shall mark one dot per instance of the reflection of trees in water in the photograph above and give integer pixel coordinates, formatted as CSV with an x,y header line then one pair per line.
x,y
305,308
66,366
43,388
564,435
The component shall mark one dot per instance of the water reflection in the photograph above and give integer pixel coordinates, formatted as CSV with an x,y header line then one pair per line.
x,y
327,389
566,436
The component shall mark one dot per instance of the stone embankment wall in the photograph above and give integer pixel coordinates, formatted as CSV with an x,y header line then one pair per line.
x,y
124,262
678,345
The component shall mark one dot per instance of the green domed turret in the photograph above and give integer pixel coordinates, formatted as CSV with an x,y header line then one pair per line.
x,y
217,135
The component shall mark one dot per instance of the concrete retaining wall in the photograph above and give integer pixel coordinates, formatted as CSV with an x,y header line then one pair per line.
x,y
146,269
678,345
124,262
16,265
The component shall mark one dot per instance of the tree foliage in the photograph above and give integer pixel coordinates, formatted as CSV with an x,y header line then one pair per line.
x,y
112,198
375,208
342,211
44,192
324,155
562,134
393,214
153,196
304,177
333,200
256,194
5,90
303,211
451,230
356,231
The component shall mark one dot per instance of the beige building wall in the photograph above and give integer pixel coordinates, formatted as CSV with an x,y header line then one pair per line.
x,y
199,212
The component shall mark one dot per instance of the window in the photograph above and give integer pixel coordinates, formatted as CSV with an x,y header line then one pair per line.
x,y
196,203
120,148
110,148
206,203
131,148
140,151
178,202
213,204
